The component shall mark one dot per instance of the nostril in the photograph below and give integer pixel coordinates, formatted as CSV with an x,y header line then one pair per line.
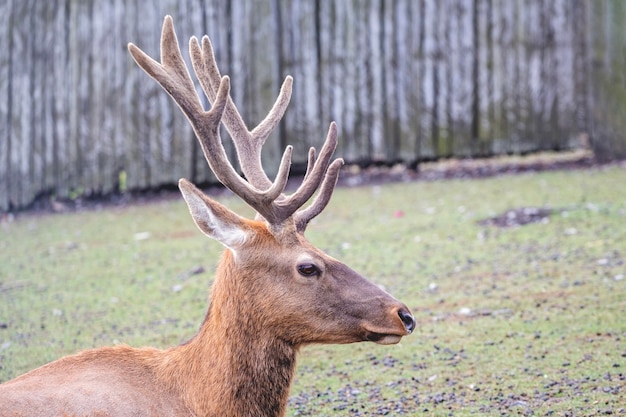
x,y
407,320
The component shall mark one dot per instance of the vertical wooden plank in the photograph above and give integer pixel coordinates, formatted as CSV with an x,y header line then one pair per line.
x,y
33,134
80,24
59,101
46,122
324,66
530,71
516,104
443,68
435,58
20,116
132,97
418,73
540,45
608,83
335,53
401,38
429,44
83,99
482,53
464,82
375,80
73,155
325,15
120,66
99,65
476,71
495,42
388,75
144,25
359,148
7,23
105,48
507,60
448,53
333,47
26,139
555,137
580,59
344,80
41,89
489,112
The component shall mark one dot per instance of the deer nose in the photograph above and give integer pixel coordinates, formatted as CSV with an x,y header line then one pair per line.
x,y
407,320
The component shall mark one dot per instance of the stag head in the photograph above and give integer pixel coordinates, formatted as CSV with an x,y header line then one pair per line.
x,y
270,272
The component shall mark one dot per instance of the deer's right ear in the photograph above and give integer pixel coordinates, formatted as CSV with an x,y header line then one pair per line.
x,y
212,218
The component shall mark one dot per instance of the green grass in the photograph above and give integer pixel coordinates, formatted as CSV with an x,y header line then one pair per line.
x,y
520,321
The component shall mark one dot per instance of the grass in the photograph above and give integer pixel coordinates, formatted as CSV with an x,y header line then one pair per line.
x,y
517,321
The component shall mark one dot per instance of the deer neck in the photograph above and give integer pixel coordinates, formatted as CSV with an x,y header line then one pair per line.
x,y
232,367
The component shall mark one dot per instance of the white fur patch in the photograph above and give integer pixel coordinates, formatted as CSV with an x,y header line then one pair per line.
x,y
228,234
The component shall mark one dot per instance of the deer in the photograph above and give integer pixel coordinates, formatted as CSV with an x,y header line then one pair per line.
x,y
273,291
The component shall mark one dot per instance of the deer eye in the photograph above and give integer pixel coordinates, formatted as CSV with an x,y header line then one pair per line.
x,y
308,270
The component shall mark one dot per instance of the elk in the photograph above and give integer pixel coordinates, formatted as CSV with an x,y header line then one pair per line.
x,y
273,291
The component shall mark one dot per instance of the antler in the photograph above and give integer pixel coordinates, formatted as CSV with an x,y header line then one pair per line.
x,y
265,196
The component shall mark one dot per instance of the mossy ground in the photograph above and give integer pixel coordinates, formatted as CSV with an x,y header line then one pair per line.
x,y
528,320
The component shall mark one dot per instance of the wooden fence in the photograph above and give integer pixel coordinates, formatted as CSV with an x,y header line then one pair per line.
x,y
406,80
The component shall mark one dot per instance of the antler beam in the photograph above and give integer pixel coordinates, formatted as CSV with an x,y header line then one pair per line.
x,y
265,196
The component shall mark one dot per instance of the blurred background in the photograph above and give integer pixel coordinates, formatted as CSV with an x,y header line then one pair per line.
x,y
407,81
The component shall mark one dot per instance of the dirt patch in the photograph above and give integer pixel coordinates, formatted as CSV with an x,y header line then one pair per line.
x,y
460,168
518,217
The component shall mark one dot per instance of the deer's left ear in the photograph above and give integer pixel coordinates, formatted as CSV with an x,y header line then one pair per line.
x,y
214,219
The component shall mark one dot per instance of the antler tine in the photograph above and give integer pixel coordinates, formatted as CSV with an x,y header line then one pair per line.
x,y
247,142
310,162
304,216
318,172
173,76
315,172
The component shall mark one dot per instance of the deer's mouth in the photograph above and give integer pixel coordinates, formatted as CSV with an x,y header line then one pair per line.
x,y
383,338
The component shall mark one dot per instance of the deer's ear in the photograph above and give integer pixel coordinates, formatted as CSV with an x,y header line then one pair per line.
x,y
212,218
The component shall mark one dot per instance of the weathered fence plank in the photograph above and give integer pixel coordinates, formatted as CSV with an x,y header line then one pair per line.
x,y
406,80
6,101
608,78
